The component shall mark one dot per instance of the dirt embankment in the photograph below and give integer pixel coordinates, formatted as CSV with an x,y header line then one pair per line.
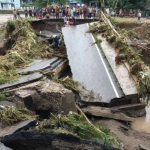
x,y
130,138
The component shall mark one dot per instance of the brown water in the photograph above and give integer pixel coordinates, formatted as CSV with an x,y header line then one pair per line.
x,y
143,123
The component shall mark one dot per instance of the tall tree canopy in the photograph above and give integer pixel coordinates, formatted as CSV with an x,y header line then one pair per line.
x,y
126,4
48,2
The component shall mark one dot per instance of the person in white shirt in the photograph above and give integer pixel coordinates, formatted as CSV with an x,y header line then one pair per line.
x,y
139,15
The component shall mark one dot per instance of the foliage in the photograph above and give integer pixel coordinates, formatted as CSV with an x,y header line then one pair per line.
x,y
75,86
2,97
44,3
10,26
12,115
24,47
130,4
77,125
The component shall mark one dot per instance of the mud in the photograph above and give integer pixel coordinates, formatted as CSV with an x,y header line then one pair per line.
x,y
143,123
131,138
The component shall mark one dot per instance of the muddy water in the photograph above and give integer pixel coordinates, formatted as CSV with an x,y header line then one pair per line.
x,y
143,123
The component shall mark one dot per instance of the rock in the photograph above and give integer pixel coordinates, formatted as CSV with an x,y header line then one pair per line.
x,y
2,147
46,95
7,103
24,125
124,128
143,147
51,141
106,113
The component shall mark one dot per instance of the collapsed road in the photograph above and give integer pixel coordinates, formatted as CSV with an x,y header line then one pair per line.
x,y
97,72
41,95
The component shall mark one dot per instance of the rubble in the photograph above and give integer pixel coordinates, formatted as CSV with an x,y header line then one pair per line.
x,y
46,95
63,127
106,113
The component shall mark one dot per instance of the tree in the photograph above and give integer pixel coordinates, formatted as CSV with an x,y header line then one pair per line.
x,y
86,1
102,4
42,3
132,4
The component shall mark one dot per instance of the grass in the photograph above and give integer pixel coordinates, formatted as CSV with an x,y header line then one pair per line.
x,y
124,20
2,97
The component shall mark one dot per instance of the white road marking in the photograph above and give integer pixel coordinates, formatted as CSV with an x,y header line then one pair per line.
x,y
105,66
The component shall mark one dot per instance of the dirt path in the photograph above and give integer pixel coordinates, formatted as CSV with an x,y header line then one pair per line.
x,y
130,138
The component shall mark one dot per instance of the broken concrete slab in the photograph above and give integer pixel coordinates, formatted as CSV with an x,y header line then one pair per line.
x,y
92,70
39,64
24,125
46,95
7,103
22,80
106,113
60,68
55,64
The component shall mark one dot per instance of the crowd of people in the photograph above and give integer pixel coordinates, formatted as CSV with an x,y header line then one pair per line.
x,y
59,12
123,12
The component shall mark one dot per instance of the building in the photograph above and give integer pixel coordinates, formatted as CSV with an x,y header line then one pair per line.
x,y
7,4
75,3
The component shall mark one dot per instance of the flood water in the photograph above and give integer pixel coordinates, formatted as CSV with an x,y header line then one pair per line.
x,y
143,123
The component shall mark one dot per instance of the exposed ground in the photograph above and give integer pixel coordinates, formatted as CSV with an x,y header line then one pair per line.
x,y
130,138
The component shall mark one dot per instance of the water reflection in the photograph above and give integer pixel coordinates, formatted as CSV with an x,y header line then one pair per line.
x,y
143,123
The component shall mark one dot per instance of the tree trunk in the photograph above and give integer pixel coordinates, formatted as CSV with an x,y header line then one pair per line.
x,y
102,5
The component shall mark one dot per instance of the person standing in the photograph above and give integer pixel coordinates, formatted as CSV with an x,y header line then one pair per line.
x,y
53,11
90,12
14,14
60,12
84,12
57,13
18,14
56,41
71,11
139,15
65,20
34,13
26,13
94,12
30,13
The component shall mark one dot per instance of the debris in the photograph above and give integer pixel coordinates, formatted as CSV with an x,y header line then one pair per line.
x,y
106,113
46,95
76,125
13,115
2,107
23,126
143,147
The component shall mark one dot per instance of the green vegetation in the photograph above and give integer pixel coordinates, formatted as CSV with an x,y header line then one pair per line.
x,y
13,115
2,97
77,125
44,3
75,86
124,20
21,45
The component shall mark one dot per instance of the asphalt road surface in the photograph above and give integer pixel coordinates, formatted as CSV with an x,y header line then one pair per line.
x,y
88,65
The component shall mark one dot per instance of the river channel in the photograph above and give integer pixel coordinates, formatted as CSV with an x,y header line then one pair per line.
x,y
143,123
